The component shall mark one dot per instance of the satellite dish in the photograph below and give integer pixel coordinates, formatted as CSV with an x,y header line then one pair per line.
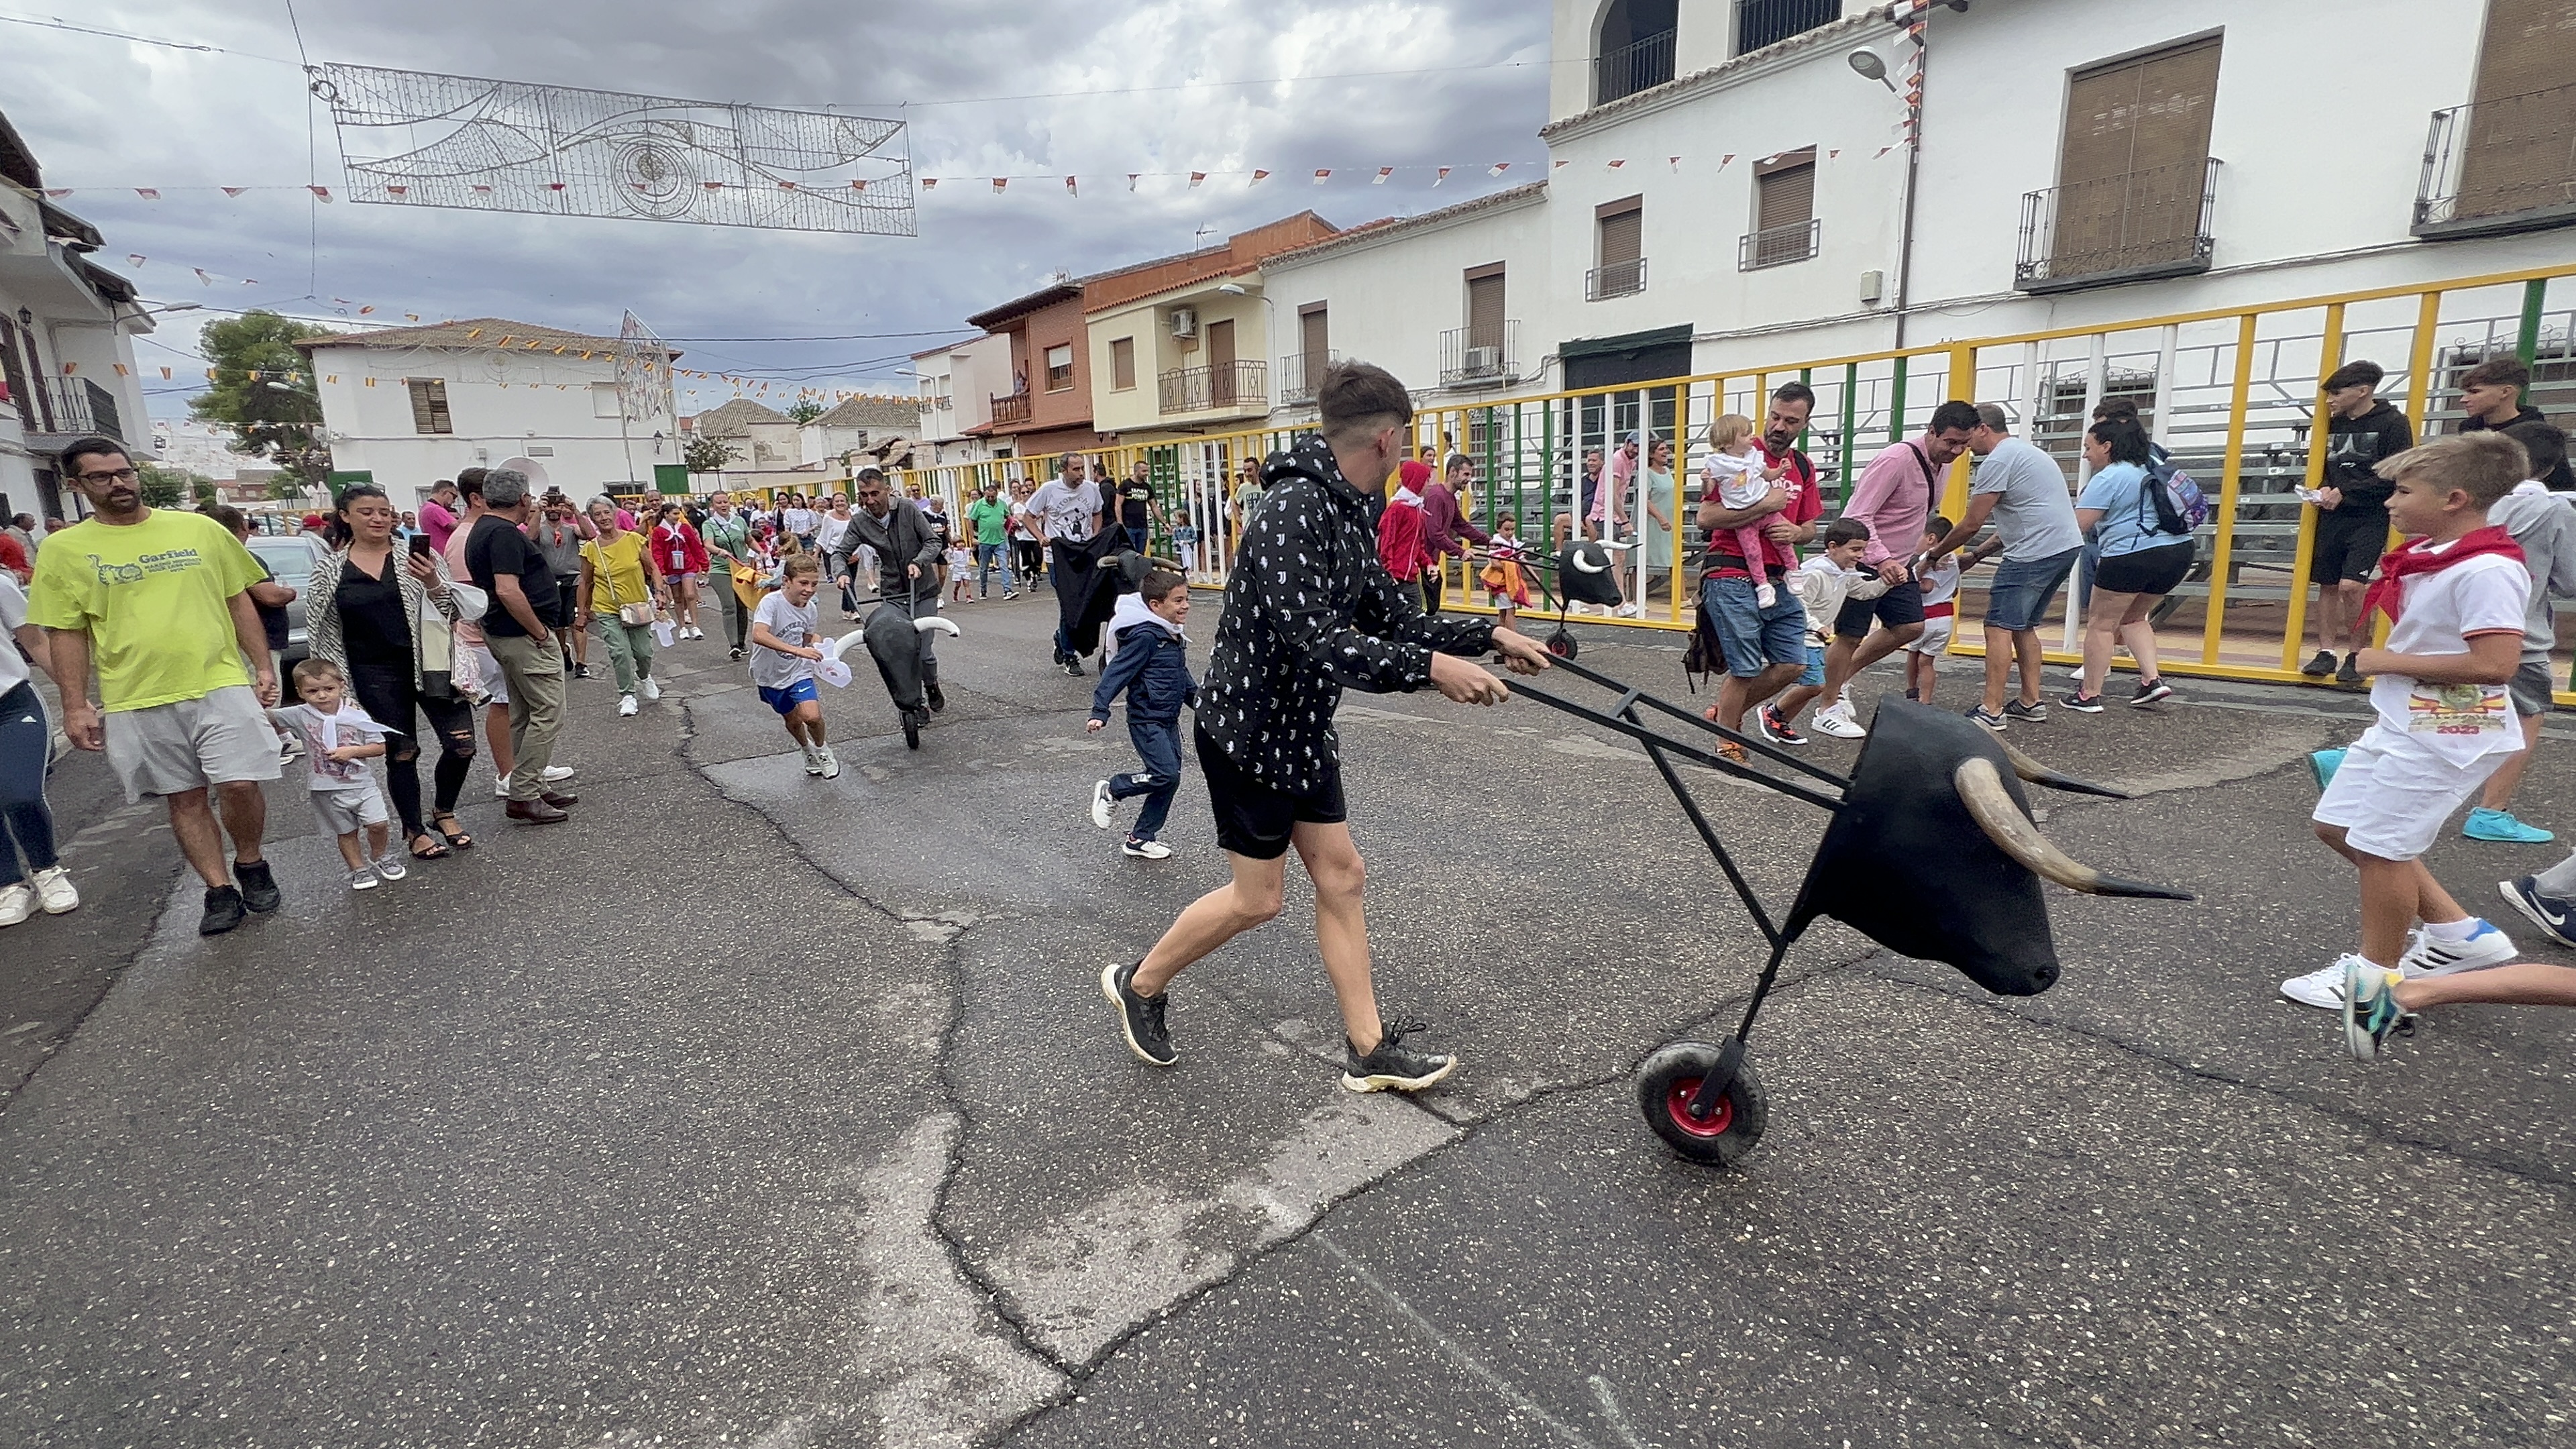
x,y
535,471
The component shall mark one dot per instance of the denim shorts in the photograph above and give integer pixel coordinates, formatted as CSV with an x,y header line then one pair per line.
x,y
2019,596
1754,637
1814,677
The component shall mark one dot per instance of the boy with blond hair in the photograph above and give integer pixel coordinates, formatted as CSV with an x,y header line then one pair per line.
x,y
2455,598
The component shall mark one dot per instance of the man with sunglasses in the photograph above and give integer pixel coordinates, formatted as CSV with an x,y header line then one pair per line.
x,y
159,602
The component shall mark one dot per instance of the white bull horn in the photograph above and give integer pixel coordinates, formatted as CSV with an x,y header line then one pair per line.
x,y
1981,789
847,641
949,626
1576,558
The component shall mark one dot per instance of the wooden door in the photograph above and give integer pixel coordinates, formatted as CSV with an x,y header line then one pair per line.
x,y
2520,148
1314,337
1220,343
2134,161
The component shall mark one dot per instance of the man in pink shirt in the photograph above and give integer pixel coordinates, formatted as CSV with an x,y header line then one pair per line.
x,y
438,514
1894,497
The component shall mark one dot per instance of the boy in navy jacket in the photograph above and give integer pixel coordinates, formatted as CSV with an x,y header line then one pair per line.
x,y
1152,667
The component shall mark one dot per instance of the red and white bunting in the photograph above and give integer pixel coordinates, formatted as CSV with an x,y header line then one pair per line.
x,y
1383,172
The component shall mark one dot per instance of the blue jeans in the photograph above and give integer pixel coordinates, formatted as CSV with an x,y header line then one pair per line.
x,y
25,739
1755,638
988,557
1158,745
1136,537
2018,598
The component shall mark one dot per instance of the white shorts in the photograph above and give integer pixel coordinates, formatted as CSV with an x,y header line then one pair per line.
x,y
1935,638
487,673
343,808
2391,794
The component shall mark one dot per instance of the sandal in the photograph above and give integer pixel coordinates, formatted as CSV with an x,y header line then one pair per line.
x,y
437,848
456,836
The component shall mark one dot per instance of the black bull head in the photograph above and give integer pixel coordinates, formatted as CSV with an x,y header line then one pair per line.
x,y
1933,853
893,640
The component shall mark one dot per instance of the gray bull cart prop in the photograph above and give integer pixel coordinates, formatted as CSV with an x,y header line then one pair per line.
x,y
1931,853
893,640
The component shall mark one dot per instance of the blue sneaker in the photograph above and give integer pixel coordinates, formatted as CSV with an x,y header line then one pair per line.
x,y
2499,825
2370,1010
2552,914
2324,763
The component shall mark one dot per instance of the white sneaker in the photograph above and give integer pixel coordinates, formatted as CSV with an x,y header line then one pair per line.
x,y
813,762
2323,987
556,774
501,787
1146,850
831,764
648,688
1836,720
1630,611
626,704
54,891
2430,955
17,903
1101,804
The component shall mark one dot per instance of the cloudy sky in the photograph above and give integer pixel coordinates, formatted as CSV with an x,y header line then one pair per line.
x,y
1096,90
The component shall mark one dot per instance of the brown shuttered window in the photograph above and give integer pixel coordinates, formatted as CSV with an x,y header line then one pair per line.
x,y
2135,160
1623,225
1485,306
2517,154
1122,364
429,405
1785,191
1314,336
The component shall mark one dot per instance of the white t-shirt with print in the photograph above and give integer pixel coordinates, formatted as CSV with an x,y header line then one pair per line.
x,y
769,668
2436,614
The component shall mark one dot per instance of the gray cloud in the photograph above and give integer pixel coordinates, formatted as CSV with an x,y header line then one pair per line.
x,y
105,114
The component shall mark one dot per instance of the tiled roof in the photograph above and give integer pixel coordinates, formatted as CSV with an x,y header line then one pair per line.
x,y
869,412
1369,231
730,420
473,332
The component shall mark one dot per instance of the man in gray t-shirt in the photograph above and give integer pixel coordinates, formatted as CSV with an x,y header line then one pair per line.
x,y
2024,493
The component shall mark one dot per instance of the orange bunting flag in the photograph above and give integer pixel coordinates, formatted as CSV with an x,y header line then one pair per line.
x,y
331,377
470,336
120,369
371,382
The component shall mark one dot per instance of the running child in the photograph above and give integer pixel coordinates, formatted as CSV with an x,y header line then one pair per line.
x,y
1822,585
961,574
783,658
1741,478
339,738
2455,597
1152,667
1506,588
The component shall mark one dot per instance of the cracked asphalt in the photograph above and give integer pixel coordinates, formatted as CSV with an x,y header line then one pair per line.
x,y
753,1109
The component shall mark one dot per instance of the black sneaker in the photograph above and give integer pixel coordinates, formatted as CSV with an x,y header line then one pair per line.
x,y
2350,675
1073,667
2151,690
734,653
2083,703
930,693
1394,1066
1140,1018
223,911
1778,730
2321,666
582,671
2035,713
258,887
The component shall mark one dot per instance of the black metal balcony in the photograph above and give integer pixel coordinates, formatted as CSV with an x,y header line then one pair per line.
x,y
2500,166
1768,22
1632,68
1615,279
2126,228
1778,246
66,408
1238,384
1301,375
1472,356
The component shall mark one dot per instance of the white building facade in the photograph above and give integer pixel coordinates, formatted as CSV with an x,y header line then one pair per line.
x,y
957,387
409,406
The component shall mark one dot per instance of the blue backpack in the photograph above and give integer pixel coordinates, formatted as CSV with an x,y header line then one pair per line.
x,y
2180,505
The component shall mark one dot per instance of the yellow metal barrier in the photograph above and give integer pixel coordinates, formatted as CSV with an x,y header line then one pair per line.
x,y
2234,393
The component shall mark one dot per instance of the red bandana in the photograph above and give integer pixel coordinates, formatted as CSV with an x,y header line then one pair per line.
x,y
2414,558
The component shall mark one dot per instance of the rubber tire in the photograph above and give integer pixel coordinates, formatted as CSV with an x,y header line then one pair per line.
x,y
1678,1067
1563,645
911,731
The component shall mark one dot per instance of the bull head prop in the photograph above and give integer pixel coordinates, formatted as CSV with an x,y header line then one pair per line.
x,y
893,639
1931,853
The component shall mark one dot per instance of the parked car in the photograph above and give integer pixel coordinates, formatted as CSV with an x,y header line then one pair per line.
x,y
292,558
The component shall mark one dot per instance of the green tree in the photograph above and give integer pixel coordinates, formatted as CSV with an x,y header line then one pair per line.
x,y
805,410
263,390
703,454
162,487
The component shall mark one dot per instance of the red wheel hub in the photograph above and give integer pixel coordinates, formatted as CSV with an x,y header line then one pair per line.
x,y
1677,1103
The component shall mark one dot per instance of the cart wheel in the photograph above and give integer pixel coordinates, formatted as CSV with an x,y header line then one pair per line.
x,y
1665,1085
1562,644
911,731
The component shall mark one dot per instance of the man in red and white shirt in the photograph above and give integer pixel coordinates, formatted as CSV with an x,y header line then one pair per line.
x,y
1766,648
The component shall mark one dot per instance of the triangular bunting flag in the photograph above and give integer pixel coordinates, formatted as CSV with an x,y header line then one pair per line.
x,y
1321,173
1498,168
1561,165
1676,160
554,186
1829,155
398,190
120,369
712,185
148,193
371,382
202,278
1443,176
928,182
321,192
135,257
858,186
165,374
1257,178
363,311
58,191
1131,179
1197,177
1383,172
787,186
1622,161
233,190
411,316
482,190
1000,181
1070,189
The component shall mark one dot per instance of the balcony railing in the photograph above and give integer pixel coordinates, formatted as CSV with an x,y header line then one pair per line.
x,y
1778,246
75,406
1472,356
1237,384
1768,22
1010,407
1301,375
1616,279
2500,166
2128,228
1632,68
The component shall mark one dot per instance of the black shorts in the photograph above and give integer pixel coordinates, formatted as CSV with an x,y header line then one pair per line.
x,y
567,599
1253,819
2348,545
1896,608
2148,571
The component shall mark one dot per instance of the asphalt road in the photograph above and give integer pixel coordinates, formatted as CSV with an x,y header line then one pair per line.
x,y
752,1109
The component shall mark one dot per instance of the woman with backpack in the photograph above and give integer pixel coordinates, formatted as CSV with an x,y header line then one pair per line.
x,y
2146,546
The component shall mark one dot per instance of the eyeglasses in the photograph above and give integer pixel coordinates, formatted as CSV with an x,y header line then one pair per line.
x,y
121,475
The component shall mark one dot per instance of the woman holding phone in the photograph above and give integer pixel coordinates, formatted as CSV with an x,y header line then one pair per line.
x,y
386,622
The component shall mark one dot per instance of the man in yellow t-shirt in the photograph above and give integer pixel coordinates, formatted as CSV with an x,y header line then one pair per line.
x,y
159,602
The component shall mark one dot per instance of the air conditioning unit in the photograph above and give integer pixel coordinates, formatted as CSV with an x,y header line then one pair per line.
x,y
1482,361
1185,321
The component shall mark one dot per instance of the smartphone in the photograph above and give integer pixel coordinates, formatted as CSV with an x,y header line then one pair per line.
x,y
420,545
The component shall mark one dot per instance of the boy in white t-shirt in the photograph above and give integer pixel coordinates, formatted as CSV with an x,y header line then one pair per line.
x,y
2455,599
339,738
783,657
1822,585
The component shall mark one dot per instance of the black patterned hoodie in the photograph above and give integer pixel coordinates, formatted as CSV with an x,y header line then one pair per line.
x,y
1309,610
